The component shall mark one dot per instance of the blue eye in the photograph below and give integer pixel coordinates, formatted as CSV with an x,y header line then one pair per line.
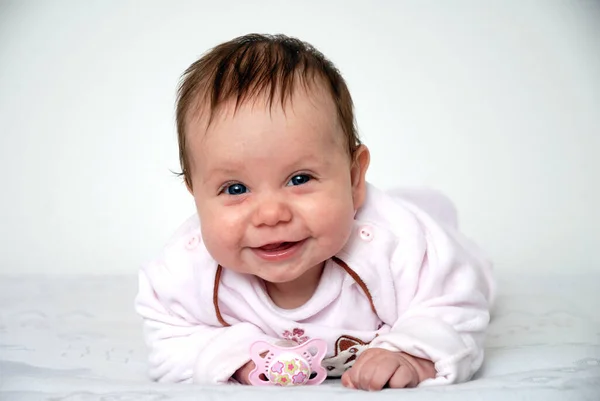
x,y
300,179
236,189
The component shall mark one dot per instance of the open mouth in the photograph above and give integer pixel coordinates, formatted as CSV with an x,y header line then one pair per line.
x,y
280,246
278,251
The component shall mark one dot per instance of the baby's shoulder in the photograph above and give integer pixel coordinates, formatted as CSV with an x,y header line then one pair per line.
x,y
182,274
184,254
387,212
188,230
407,211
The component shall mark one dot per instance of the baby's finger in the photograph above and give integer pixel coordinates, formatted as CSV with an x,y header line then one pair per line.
x,y
365,375
347,381
381,372
403,377
353,374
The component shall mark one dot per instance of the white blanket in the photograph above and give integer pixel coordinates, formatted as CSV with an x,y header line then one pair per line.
x,y
78,339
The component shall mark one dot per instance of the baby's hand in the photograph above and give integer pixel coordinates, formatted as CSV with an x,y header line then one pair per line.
x,y
242,374
376,367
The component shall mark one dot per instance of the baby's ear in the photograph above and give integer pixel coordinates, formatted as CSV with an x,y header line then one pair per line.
x,y
358,171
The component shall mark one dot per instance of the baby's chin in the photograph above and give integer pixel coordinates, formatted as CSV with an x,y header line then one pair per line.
x,y
279,278
271,279
283,275
273,274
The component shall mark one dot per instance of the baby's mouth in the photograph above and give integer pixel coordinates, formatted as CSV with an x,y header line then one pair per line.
x,y
279,246
278,251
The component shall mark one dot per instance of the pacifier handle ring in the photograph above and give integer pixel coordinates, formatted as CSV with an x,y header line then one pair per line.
x,y
321,373
255,350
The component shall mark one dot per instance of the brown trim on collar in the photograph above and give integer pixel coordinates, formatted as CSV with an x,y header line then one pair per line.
x,y
216,296
358,280
337,260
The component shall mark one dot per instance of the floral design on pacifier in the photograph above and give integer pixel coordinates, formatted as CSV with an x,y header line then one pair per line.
x,y
286,365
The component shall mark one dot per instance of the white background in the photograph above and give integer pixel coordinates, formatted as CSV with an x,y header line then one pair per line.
x,y
497,103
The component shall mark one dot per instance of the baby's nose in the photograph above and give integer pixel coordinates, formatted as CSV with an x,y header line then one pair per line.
x,y
271,211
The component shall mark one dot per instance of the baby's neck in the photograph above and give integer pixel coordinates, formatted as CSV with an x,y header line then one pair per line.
x,y
296,293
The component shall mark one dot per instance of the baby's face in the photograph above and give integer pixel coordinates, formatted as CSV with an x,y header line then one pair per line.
x,y
275,189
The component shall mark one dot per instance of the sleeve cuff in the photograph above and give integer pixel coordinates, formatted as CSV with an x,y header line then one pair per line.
x,y
226,354
456,357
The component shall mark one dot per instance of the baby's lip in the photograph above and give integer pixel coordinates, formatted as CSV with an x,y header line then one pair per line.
x,y
275,245
278,251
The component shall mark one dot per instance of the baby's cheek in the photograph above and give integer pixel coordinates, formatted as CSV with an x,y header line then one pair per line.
x,y
219,239
336,224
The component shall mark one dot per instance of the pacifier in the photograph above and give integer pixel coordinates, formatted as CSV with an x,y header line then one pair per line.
x,y
288,364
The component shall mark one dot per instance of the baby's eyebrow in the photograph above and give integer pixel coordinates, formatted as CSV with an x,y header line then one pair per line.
x,y
217,172
223,170
308,161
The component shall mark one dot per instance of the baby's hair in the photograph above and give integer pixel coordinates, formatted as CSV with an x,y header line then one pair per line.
x,y
253,65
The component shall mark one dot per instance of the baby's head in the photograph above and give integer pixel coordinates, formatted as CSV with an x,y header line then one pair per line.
x,y
269,150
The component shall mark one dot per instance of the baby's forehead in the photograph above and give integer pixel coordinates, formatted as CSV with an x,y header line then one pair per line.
x,y
311,102
270,97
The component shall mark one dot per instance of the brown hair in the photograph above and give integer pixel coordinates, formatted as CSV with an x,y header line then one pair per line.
x,y
253,65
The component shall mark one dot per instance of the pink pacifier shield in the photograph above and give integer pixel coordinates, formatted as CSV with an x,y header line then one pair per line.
x,y
288,366
289,370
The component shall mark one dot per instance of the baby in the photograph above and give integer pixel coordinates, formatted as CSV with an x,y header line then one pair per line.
x,y
291,243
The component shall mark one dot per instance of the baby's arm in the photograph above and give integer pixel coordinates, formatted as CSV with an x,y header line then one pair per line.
x,y
444,289
185,345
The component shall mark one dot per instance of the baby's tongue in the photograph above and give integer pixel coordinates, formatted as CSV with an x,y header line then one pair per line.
x,y
273,247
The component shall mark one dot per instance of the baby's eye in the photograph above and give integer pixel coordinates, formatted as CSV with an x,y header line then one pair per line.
x,y
299,179
236,189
